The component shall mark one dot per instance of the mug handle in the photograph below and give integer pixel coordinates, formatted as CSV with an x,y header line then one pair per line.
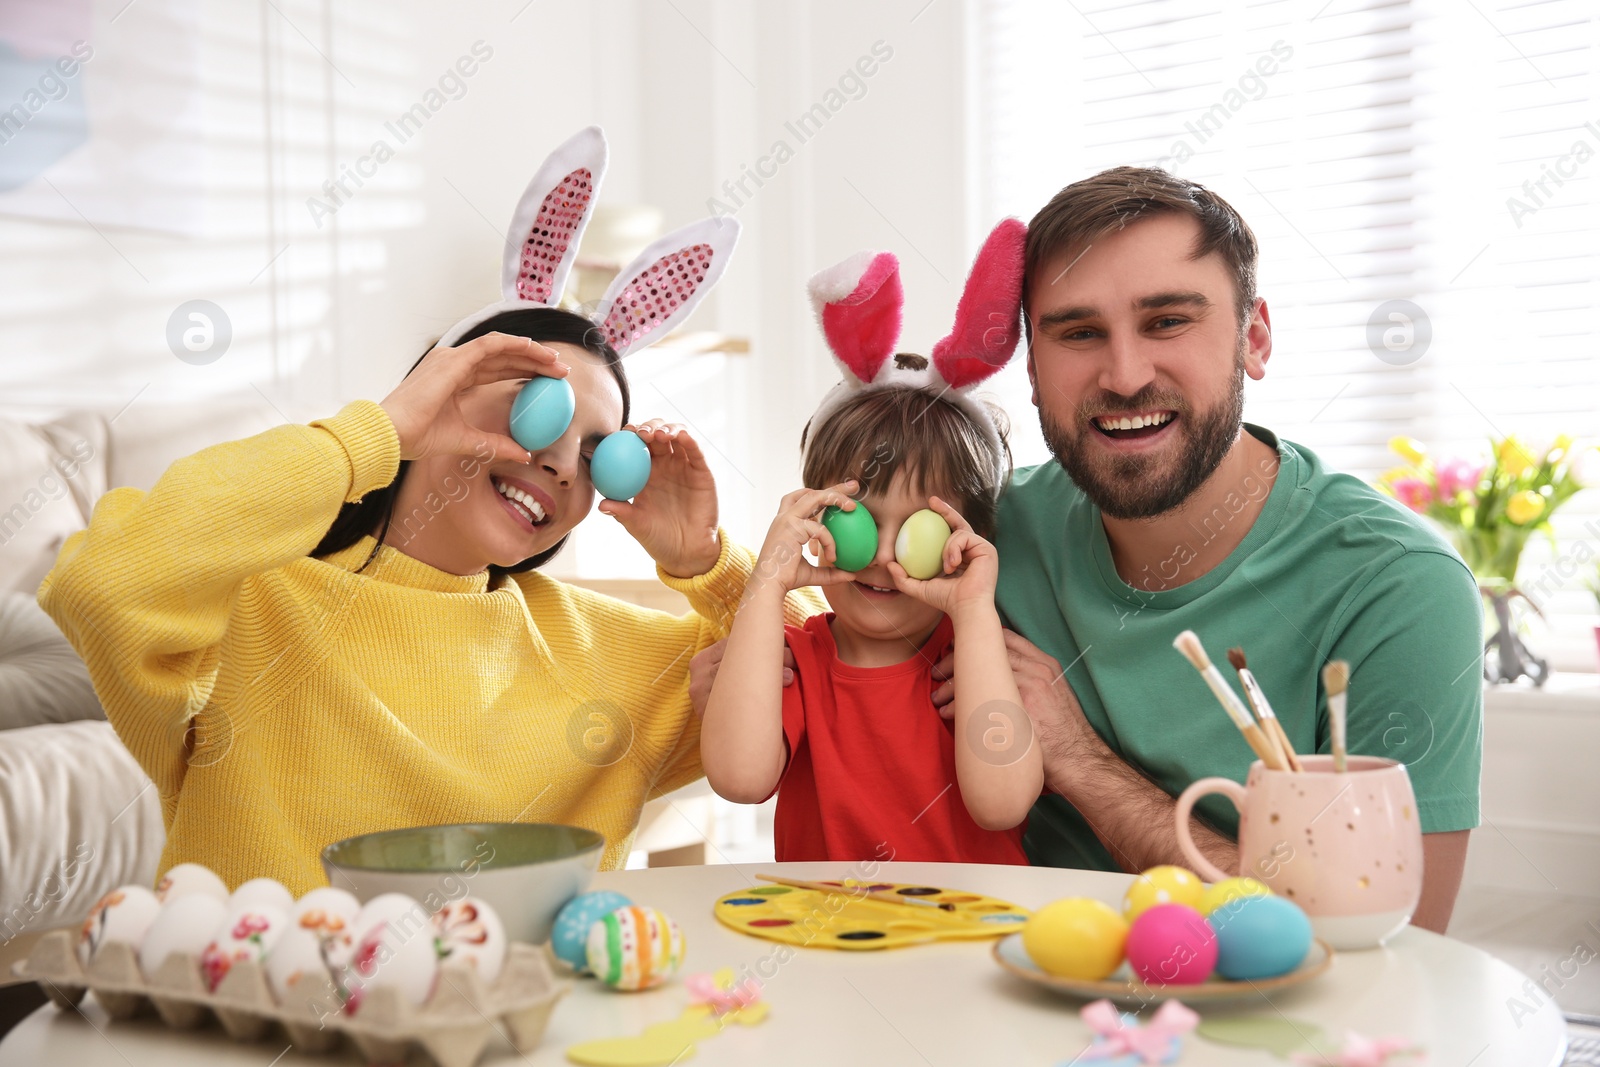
x,y
1186,801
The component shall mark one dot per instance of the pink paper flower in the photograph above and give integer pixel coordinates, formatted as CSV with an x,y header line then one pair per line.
x,y
1361,1051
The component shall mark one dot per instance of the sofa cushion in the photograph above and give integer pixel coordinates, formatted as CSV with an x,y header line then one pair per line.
x,y
41,677
50,476
78,818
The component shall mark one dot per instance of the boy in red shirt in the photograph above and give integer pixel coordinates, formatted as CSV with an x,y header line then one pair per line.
x,y
863,765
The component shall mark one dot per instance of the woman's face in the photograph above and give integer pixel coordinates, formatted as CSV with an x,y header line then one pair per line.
x,y
454,512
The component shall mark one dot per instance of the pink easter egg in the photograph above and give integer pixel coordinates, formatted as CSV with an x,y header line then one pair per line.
x,y
1172,944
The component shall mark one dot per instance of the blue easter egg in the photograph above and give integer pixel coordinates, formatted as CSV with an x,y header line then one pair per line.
x,y
621,466
1260,937
541,413
569,937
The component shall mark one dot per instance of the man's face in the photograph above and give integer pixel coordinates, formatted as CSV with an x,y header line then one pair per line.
x,y
1138,364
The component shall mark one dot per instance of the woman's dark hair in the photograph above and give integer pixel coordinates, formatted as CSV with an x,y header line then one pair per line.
x,y
371,514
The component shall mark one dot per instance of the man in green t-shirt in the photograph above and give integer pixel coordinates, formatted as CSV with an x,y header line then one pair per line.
x,y
1165,512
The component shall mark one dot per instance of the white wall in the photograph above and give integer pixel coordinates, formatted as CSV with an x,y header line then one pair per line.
x,y
692,94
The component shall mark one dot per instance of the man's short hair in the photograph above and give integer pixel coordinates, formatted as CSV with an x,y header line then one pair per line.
x,y
1087,210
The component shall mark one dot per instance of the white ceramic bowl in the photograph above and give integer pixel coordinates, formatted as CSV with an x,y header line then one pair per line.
x,y
525,871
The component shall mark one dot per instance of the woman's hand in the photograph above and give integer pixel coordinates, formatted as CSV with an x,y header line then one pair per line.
x,y
799,524
675,515
426,406
971,568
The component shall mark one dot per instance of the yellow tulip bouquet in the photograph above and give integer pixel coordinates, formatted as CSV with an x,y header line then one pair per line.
x,y
1488,509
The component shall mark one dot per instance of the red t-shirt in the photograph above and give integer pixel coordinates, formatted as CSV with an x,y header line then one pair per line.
x,y
872,765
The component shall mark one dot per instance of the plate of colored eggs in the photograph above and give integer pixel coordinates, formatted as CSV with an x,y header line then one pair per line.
x,y
1175,938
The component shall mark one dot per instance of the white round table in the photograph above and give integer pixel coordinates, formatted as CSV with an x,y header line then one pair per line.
x,y
936,1004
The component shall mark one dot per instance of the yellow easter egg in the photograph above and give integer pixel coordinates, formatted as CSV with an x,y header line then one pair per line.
x,y
1229,890
1076,938
1162,885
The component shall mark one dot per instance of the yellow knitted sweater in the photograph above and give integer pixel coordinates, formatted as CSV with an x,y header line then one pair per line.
x,y
281,702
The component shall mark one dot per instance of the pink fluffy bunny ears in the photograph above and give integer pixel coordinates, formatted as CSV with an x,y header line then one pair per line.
x,y
859,305
651,295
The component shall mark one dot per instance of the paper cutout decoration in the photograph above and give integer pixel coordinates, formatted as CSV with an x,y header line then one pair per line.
x,y
1358,1051
1122,1042
1278,1034
671,1042
846,919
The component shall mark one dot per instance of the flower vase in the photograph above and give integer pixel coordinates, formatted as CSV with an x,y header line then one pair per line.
x,y
1505,657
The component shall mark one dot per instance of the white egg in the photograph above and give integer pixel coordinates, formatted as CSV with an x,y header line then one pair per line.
x,y
185,925
124,914
392,948
297,954
263,892
246,933
187,878
326,911
470,930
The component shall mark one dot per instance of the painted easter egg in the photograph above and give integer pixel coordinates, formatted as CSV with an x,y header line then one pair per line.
x,y
1260,937
188,878
1076,938
855,536
469,929
263,892
1228,890
125,914
297,955
392,948
184,925
1162,885
326,911
1172,944
246,933
541,412
620,466
919,546
635,948
569,938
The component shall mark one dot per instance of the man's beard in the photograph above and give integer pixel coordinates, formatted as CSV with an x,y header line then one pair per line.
x,y
1136,486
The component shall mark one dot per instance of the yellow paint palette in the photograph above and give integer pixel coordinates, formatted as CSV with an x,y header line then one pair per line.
x,y
845,918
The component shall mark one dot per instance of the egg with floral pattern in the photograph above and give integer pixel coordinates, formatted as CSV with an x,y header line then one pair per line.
x,y
125,914
470,930
248,933
326,911
188,878
185,925
391,950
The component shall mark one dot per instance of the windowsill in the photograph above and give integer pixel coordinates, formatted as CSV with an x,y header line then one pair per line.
x,y
1567,691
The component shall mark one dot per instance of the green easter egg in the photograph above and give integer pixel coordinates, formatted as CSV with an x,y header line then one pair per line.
x,y
855,536
920,545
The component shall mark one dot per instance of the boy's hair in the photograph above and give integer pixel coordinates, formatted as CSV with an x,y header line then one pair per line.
x,y
879,432
1087,210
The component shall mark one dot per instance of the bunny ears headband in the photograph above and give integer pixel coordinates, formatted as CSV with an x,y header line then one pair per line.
x,y
859,305
651,295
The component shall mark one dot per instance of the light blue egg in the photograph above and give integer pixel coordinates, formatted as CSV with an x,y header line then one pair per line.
x,y
569,936
541,413
621,466
1260,937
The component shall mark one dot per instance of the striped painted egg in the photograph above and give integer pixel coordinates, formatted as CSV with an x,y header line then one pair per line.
x,y
634,948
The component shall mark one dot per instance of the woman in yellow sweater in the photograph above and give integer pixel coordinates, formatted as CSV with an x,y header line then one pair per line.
x,y
332,629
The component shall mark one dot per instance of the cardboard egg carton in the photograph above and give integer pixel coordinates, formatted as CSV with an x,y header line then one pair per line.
x,y
453,1027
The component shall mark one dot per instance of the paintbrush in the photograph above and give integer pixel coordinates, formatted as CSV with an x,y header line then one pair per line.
x,y
1189,644
1258,700
1336,680
859,892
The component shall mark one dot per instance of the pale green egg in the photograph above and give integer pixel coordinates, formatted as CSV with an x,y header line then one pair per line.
x,y
920,544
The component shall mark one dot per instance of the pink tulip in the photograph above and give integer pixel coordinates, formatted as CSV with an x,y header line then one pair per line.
x,y
1457,476
1414,493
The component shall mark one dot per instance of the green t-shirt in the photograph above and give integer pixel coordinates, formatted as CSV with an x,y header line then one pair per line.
x,y
1331,569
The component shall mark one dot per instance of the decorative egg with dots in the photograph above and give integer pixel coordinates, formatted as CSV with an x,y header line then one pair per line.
x,y
635,948
569,937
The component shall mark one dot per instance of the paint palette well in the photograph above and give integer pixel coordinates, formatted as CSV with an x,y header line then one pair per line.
x,y
845,919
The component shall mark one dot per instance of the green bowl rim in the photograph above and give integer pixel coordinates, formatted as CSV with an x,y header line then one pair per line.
x,y
598,842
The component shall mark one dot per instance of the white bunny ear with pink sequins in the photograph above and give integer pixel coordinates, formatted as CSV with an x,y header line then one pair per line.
x,y
664,285
550,219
